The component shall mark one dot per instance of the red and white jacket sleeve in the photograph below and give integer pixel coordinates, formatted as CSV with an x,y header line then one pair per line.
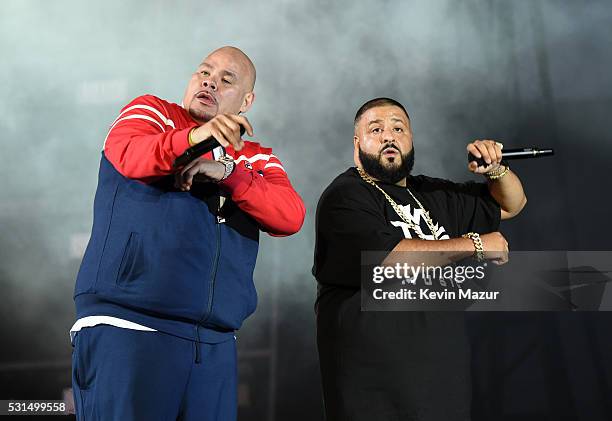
x,y
143,142
266,195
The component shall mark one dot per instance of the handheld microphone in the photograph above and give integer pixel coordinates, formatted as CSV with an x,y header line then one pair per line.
x,y
198,150
519,153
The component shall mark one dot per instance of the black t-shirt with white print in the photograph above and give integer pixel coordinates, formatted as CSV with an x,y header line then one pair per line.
x,y
390,365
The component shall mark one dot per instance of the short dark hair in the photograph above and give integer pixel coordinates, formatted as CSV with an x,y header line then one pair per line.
x,y
378,102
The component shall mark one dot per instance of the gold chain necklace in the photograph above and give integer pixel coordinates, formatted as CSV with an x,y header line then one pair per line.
x,y
400,211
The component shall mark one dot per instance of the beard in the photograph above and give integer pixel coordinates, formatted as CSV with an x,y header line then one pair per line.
x,y
200,113
391,173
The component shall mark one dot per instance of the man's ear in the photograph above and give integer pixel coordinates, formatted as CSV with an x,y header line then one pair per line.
x,y
247,102
356,151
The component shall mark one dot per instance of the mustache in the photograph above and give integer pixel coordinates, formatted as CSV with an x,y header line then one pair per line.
x,y
390,145
206,93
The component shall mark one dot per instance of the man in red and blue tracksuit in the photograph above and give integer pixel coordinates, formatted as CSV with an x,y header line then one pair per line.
x,y
167,276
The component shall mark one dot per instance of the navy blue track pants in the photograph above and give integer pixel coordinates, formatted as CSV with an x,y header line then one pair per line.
x,y
123,374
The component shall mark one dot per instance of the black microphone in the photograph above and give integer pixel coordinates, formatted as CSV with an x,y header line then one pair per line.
x,y
198,150
519,153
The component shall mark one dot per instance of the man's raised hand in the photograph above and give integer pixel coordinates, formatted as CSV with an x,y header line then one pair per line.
x,y
225,128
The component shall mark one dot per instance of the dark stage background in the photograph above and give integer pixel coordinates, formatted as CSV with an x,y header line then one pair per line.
x,y
525,72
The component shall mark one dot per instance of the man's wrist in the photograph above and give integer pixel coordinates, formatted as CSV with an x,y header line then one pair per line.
x,y
191,137
229,166
477,243
498,172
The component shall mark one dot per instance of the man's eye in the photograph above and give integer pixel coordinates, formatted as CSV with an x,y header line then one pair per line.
x,y
376,130
204,73
399,130
227,82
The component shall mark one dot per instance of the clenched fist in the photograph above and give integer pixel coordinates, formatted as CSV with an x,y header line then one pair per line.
x,y
490,151
201,170
495,247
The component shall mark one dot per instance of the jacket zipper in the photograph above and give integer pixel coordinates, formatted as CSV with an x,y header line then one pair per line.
x,y
213,275
211,292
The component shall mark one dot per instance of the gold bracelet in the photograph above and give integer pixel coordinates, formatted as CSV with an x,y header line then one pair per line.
x,y
497,174
478,247
500,169
190,139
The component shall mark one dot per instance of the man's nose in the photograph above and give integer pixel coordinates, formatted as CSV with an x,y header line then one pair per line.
x,y
209,83
388,136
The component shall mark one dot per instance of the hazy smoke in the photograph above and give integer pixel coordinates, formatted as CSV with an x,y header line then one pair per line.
x,y
463,69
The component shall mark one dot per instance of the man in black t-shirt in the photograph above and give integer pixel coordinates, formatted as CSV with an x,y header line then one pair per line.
x,y
400,365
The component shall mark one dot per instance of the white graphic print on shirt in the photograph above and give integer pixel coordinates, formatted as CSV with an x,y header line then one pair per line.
x,y
416,217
